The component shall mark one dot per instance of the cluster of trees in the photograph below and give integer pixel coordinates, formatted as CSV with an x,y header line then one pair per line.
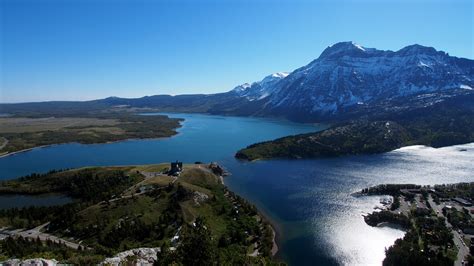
x,y
448,123
361,137
433,231
129,233
266,244
407,251
33,176
243,223
375,218
89,184
21,247
35,248
242,203
94,185
110,235
388,189
444,125
29,217
427,242
462,190
199,248
459,219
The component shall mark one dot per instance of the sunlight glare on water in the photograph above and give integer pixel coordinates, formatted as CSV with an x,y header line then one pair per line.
x,y
355,243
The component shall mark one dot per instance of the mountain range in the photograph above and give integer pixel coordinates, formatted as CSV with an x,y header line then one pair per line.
x,y
346,81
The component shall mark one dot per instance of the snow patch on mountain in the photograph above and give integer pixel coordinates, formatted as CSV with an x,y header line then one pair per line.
x,y
280,75
466,87
359,47
260,89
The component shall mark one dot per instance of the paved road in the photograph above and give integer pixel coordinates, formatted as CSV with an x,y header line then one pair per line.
x,y
457,238
463,249
405,206
36,233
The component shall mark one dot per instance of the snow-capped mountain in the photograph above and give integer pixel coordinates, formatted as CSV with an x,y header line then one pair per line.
x,y
260,89
346,81
347,74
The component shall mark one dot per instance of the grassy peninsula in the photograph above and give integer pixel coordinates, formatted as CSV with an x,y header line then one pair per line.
x,y
190,217
24,131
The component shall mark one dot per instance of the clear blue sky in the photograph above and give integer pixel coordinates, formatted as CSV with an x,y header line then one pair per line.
x,y
78,50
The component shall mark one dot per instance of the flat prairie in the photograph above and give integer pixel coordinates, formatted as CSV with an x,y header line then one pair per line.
x,y
23,124
23,133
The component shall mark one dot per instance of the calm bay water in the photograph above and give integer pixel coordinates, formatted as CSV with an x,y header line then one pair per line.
x,y
20,201
318,221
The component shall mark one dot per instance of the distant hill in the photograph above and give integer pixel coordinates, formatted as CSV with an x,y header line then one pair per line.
x,y
448,123
355,138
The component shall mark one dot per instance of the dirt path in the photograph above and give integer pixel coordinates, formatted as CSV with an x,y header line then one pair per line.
x,y
4,143
148,175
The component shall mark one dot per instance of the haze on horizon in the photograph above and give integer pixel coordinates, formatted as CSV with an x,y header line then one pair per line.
x,y
81,50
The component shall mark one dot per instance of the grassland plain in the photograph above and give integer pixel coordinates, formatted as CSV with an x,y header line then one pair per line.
x,y
120,208
24,133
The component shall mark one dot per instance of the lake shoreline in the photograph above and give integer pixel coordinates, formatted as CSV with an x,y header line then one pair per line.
x,y
276,233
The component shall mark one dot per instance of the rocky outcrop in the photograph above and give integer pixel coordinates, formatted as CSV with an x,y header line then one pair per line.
x,y
217,169
199,197
30,262
137,256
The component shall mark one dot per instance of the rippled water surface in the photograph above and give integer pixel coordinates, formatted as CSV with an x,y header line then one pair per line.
x,y
318,221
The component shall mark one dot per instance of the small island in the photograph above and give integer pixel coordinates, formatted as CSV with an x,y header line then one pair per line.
x,y
164,214
438,220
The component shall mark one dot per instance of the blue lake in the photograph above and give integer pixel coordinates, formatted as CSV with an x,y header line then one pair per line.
x,y
309,201
201,138
20,201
